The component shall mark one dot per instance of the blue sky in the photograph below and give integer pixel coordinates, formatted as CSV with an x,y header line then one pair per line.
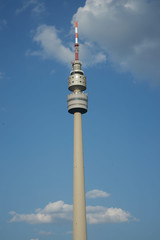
x,y
120,52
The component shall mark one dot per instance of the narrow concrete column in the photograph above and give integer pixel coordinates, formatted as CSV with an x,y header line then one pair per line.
x,y
79,206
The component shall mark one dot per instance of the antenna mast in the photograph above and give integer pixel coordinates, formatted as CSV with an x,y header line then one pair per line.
x,y
76,42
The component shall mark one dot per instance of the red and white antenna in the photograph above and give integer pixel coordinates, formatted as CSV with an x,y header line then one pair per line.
x,y
76,42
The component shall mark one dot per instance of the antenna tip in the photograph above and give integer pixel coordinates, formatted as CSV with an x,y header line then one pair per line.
x,y
76,24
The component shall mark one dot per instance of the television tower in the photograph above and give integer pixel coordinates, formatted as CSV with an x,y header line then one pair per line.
x,y
77,105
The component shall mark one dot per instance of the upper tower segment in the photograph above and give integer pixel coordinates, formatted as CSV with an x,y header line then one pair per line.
x,y
76,42
77,82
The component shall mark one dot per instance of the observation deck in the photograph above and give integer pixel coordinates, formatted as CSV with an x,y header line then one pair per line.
x,y
78,100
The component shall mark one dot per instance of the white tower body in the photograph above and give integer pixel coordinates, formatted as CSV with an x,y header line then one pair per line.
x,y
77,105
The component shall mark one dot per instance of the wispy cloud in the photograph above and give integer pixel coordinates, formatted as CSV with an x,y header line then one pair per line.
x,y
51,46
3,23
60,212
36,6
45,233
3,109
97,194
39,8
2,75
69,232
126,31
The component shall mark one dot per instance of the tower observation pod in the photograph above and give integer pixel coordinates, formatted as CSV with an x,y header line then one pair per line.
x,y
77,105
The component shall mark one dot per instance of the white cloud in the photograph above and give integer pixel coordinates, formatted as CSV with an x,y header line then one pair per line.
x,y
99,214
31,218
34,239
97,194
90,55
56,207
51,46
36,6
53,212
127,31
59,212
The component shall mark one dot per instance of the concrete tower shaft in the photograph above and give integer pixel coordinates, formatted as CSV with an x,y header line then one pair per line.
x,y
79,205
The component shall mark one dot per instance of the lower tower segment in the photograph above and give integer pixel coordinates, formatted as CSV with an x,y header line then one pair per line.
x,y
77,105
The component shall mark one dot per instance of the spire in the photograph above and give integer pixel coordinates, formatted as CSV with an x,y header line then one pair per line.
x,y
76,42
